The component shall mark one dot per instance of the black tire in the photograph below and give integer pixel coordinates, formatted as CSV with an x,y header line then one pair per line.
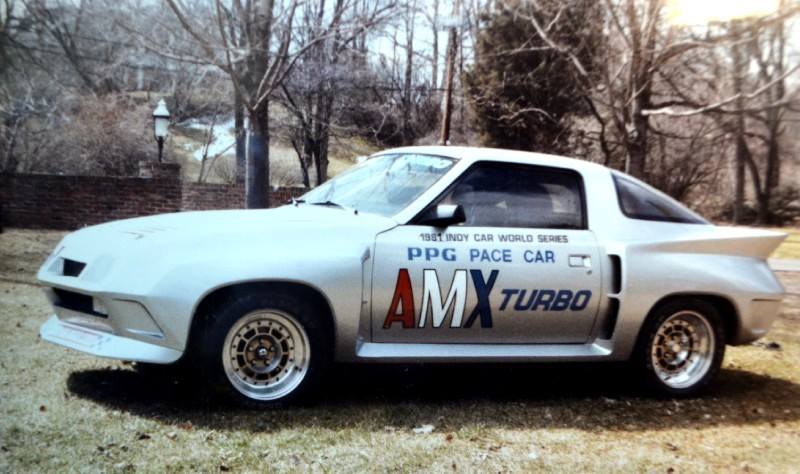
x,y
212,338
643,358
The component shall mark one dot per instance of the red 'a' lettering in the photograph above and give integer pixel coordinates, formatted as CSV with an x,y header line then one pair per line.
x,y
403,294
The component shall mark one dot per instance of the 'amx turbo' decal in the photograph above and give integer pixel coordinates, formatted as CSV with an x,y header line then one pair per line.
x,y
402,308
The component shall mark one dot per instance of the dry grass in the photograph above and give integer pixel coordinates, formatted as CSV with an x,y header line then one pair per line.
x,y
790,248
22,251
64,411
284,167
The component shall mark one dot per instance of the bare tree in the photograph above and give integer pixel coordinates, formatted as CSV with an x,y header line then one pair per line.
x,y
410,16
92,52
754,108
332,68
450,61
252,44
638,47
433,18
310,96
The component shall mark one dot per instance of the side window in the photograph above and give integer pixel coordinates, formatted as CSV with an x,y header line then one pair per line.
x,y
638,202
507,195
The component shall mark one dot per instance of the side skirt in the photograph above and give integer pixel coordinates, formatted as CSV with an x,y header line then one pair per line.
x,y
396,352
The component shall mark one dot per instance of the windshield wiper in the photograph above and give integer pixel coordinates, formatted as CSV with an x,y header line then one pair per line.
x,y
327,203
330,203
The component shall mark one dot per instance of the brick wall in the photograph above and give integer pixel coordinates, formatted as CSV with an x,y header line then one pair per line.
x,y
70,202
203,196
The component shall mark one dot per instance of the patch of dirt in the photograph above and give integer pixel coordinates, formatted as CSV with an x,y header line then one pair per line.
x,y
22,251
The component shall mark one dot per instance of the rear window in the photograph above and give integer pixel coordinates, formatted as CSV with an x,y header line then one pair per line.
x,y
638,202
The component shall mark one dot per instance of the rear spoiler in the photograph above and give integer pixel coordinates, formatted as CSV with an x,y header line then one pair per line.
x,y
737,241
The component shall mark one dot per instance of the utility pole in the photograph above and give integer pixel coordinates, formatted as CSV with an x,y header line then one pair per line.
x,y
741,145
435,47
452,50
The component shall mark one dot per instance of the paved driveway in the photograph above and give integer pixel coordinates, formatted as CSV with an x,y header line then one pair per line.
x,y
784,265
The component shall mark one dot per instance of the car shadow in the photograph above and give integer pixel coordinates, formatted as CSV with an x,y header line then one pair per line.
x,y
377,397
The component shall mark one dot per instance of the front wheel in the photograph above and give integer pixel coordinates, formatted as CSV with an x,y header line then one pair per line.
x,y
264,350
681,347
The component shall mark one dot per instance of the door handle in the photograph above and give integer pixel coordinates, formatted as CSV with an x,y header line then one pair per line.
x,y
582,261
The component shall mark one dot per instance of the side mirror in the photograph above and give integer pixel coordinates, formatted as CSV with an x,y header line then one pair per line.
x,y
443,215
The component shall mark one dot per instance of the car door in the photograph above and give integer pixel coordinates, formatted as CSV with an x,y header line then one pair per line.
x,y
522,268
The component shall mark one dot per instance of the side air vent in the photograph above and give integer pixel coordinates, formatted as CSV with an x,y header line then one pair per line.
x,y
73,268
616,274
610,321
76,302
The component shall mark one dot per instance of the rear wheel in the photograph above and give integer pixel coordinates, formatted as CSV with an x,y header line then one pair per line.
x,y
264,350
681,347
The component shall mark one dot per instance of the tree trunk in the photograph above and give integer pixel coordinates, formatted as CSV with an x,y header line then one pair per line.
x,y
308,159
739,172
762,209
323,135
322,160
257,194
772,174
408,73
11,162
739,164
303,156
241,143
637,143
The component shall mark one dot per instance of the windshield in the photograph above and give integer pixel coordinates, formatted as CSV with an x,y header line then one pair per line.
x,y
382,185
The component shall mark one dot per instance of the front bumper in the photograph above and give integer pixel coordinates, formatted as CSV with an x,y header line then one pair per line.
x,y
104,344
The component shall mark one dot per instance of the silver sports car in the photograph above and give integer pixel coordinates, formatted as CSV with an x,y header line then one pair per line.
x,y
420,254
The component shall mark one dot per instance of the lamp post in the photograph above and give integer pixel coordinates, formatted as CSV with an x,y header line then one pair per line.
x,y
161,126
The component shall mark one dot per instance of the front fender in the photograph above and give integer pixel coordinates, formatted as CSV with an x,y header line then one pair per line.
x,y
335,272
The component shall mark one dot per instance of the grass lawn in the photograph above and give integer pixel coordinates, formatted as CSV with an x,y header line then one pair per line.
x,y
63,411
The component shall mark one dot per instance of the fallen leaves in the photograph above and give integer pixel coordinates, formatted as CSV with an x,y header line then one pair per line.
x,y
424,429
672,447
768,345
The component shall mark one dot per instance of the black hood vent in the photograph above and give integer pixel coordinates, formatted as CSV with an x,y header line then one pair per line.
x,y
73,268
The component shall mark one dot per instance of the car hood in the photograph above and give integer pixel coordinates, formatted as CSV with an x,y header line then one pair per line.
x,y
178,235
211,224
